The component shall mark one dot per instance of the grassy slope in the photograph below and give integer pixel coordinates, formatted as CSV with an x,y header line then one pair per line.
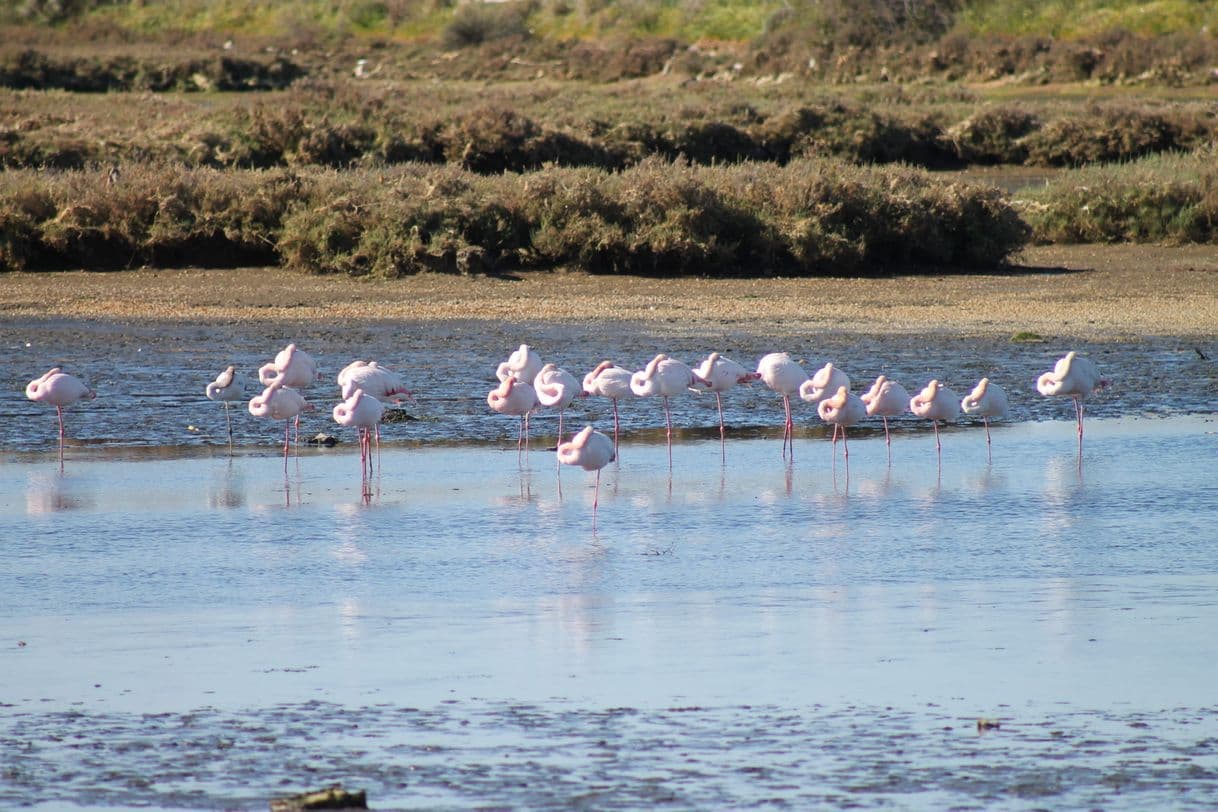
x,y
687,20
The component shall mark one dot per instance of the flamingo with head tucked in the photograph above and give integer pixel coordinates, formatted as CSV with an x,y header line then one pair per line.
x,y
378,381
843,410
512,397
226,388
1076,377
887,399
292,368
665,377
718,374
60,390
591,451
523,365
936,402
987,399
609,381
279,402
555,387
785,376
823,383
362,412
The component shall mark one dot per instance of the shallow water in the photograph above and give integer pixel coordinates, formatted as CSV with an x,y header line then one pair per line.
x,y
190,630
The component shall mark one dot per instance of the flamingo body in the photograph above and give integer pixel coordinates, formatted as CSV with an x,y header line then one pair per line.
x,y
987,400
783,375
935,402
57,388
825,382
523,365
887,399
591,451
842,411
226,387
665,377
608,381
278,402
556,387
292,368
1075,377
375,380
719,374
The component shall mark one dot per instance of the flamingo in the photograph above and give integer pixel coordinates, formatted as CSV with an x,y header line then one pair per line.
x,y
936,402
609,381
1076,377
783,375
823,383
279,402
292,368
523,365
513,397
591,451
843,410
665,377
226,388
59,389
988,400
556,387
718,374
887,399
380,382
364,412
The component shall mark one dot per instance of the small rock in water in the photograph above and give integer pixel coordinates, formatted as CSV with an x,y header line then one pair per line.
x,y
988,724
397,416
332,797
322,438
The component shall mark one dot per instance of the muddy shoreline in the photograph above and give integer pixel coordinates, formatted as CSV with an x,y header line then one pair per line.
x,y
1088,292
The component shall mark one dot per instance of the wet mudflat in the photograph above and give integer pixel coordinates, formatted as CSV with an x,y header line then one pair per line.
x,y
186,629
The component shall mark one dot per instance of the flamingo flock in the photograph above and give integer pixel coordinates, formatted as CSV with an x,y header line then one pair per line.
x,y
527,384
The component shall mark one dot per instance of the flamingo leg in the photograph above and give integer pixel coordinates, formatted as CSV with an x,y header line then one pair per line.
x,y
297,434
287,428
59,414
596,494
560,414
722,427
1078,410
989,453
229,420
938,445
845,443
668,429
788,428
615,427
887,438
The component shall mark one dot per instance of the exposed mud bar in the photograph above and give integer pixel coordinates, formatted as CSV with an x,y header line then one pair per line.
x,y
1091,292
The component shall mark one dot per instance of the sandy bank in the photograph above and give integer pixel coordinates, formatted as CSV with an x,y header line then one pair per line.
x,y
1093,292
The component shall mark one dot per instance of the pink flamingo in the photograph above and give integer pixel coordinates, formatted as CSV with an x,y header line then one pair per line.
x,y
523,365
718,374
936,402
665,377
60,390
609,381
226,388
363,412
843,410
1076,377
513,397
380,382
887,399
292,368
784,376
591,451
823,383
987,399
279,402
556,387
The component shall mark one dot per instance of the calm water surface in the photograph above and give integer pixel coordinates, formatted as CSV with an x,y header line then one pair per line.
x,y
185,629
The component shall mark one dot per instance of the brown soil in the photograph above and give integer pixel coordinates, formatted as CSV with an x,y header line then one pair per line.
x,y
1091,292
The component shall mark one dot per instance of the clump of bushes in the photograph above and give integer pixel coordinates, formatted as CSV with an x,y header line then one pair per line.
x,y
38,70
1166,198
657,218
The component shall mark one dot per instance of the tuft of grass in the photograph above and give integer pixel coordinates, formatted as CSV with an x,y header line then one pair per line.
x,y
1027,337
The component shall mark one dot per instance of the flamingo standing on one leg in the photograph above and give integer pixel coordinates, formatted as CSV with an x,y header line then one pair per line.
x,y
556,387
591,451
987,399
936,402
513,397
665,377
609,381
292,368
226,388
61,390
279,402
824,383
887,399
1076,377
843,410
784,376
363,412
718,374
